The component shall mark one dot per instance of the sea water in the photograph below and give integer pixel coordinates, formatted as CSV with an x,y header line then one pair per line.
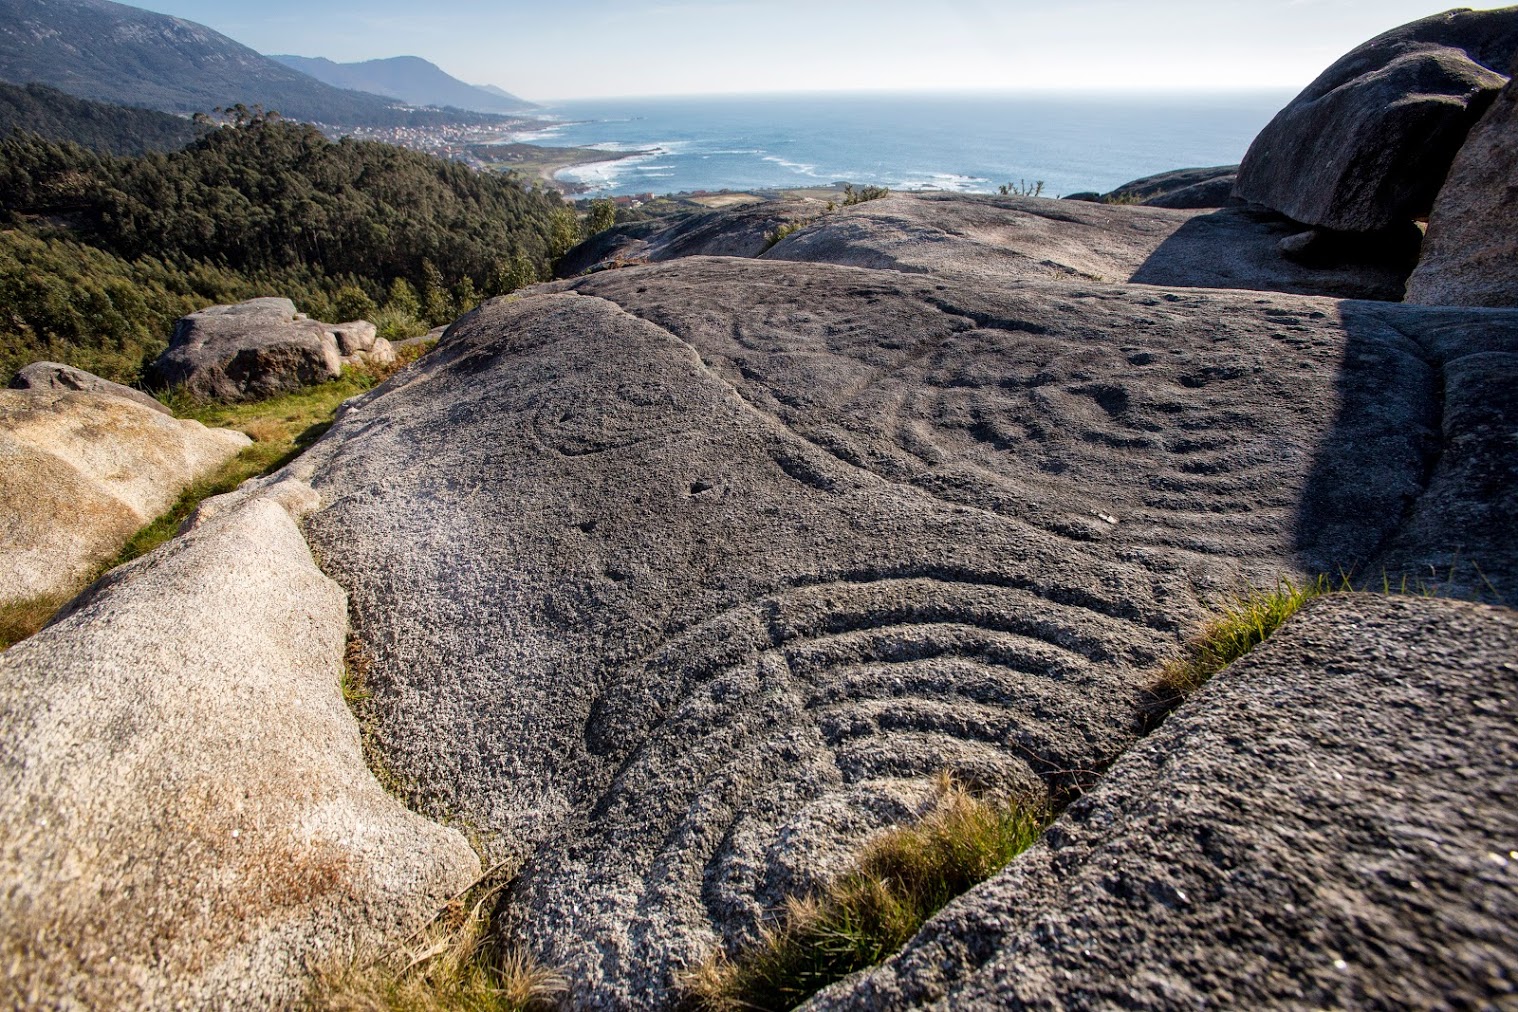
x,y
960,142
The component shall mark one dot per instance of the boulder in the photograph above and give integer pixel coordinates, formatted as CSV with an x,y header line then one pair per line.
x,y
57,376
1367,145
745,231
1470,256
620,243
681,580
82,472
353,337
187,815
739,232
1328,824
1184,189
247,351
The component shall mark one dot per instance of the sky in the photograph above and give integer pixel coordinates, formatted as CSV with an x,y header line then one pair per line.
x,y
545,51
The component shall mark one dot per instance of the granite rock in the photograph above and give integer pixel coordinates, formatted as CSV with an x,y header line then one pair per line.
x,y
188,821
709,567
1327,824
57,376
1367,145
247,351
81,473
1470,255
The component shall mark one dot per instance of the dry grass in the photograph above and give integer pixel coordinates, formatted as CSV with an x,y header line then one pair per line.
x,y
902,878
454,964
20,619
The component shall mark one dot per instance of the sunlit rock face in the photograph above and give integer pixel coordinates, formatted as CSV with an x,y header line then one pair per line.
x,y
678,581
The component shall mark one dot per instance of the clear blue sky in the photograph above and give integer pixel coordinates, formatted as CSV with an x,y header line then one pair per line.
x,y
596,48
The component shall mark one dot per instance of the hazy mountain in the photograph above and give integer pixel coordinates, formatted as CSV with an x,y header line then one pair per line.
x,y
114,53
409,78
109,129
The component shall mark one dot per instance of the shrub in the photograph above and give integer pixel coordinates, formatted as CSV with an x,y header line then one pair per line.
x,y
900,880
780,232
852,196
602,216
1021,188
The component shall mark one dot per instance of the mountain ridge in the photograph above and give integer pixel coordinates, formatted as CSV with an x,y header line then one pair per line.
x,y
111,52
409,78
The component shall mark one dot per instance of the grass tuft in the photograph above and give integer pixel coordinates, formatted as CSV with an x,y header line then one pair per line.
x,y
454,964
20,619
1238,627
900,880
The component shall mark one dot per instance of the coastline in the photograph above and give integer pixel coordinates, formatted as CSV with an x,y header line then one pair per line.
x,y
544,163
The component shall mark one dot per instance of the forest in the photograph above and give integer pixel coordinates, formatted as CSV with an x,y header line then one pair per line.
x,y
99,126
99,253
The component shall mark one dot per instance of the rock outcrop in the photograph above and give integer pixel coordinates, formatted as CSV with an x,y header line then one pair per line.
x,y
1366,145
82,472
1183,189
1470,256
359,342
59,377
678,582
739,232
187,818
710,566
1004,238
260,348
1328,824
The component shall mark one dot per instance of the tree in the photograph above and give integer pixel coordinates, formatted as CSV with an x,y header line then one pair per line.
x,y
402,298
563,232
602,216
437,306
352,303
465,297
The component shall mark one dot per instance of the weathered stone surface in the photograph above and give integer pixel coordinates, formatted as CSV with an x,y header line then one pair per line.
x,y
740,232
353,337
186,814
59,377
998,239
1470,255
1328,824
1183,189
618,244
683,579
80,473
380,353
1367,145
1460,535
247,351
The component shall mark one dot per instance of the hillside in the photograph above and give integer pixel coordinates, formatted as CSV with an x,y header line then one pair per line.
x,y
108,129
409,78
110,52
109,251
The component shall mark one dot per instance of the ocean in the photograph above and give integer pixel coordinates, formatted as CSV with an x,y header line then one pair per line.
x,y
969,143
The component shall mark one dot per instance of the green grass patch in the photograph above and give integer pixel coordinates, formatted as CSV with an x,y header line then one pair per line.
x,y
1239,626
900,880
281,428
454,964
